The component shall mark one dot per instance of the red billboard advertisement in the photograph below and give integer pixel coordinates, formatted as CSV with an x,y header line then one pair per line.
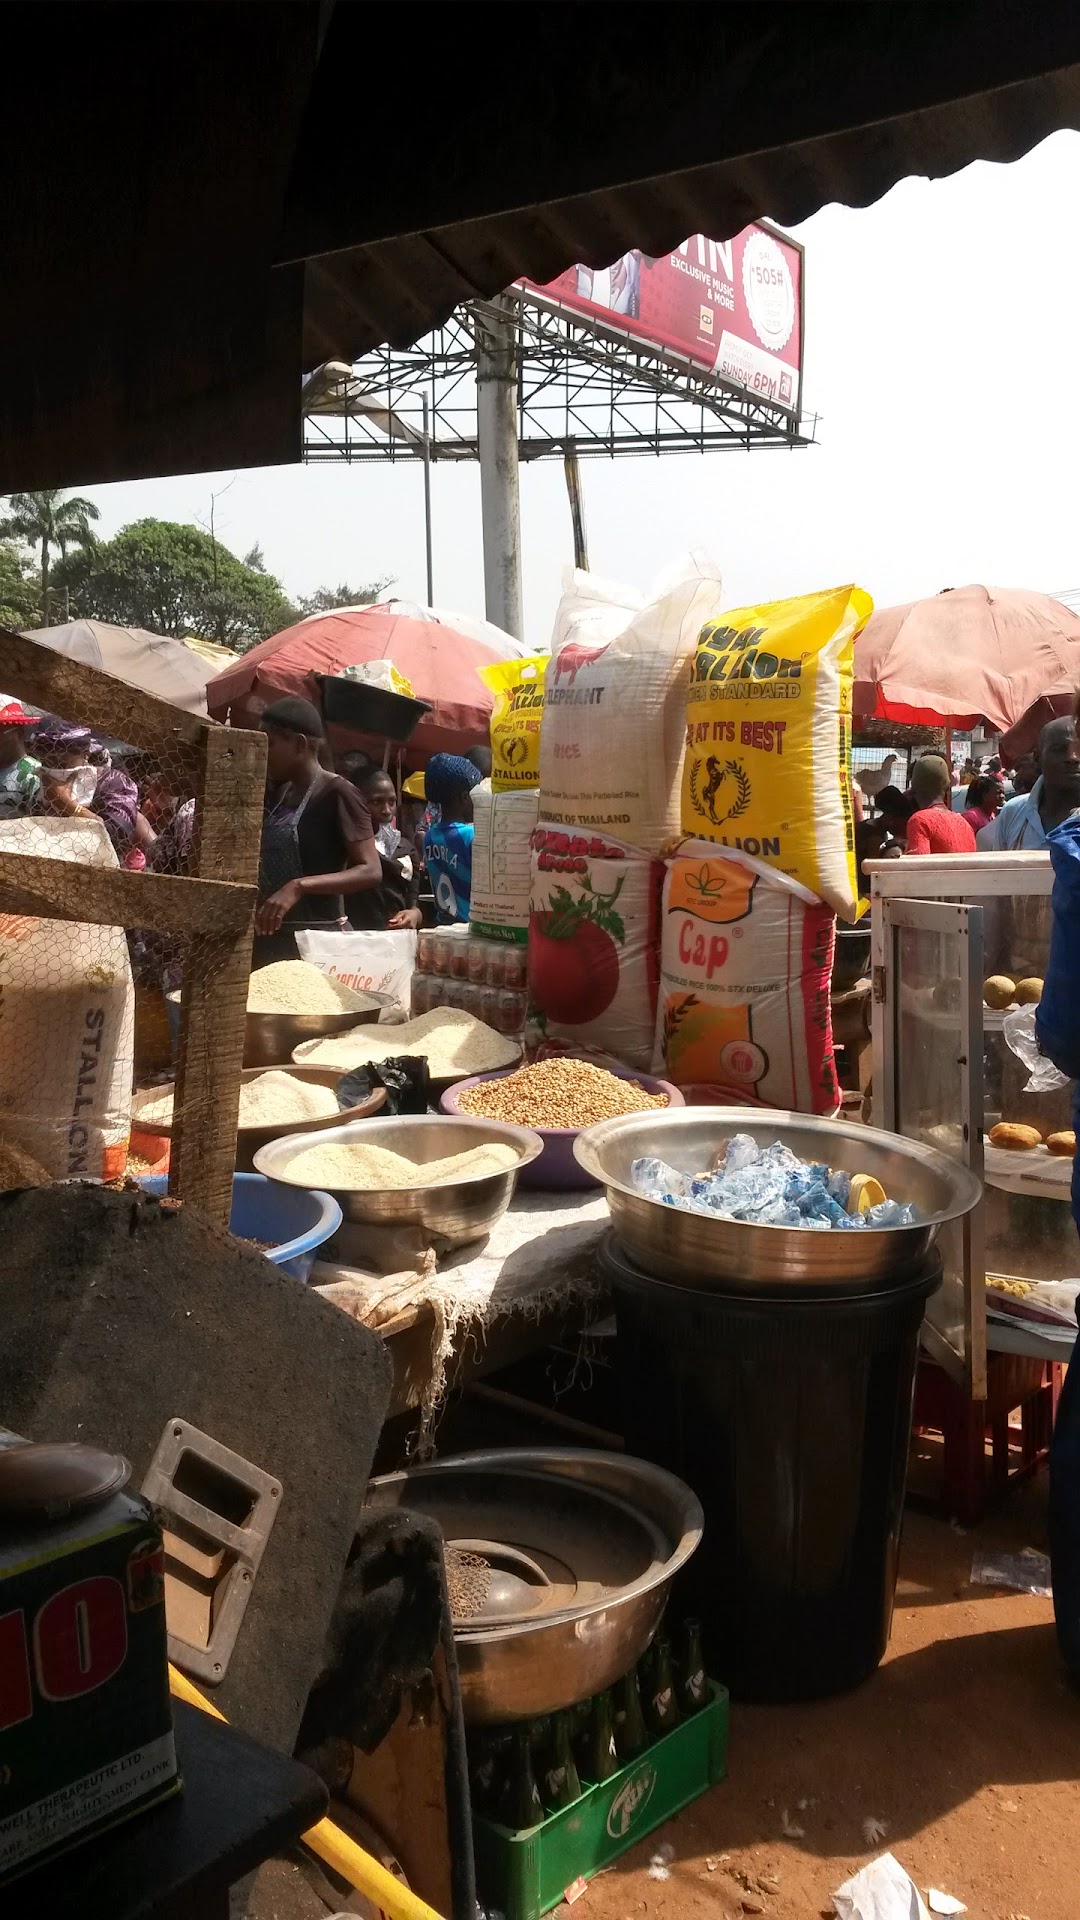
x,y
731,307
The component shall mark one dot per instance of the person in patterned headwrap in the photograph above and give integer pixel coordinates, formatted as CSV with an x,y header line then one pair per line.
x,y
71,786
448,843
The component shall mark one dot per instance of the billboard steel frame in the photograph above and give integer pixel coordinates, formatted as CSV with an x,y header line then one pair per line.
x,y
578,386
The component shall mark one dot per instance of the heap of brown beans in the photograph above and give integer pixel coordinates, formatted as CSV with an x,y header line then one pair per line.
x,y
557,1093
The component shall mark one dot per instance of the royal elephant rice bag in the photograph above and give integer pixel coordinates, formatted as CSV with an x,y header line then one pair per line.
x,y
768,738
745,977
593,941
611,749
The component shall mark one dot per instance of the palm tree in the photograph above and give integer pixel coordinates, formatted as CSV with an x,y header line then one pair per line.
x,y
49,520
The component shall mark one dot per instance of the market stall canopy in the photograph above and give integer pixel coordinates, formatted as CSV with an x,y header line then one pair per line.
x,y
970,651
441,664
151,661
1021,738
504,646
269,210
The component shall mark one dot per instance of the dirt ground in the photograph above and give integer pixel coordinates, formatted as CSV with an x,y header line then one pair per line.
x,y
965,1746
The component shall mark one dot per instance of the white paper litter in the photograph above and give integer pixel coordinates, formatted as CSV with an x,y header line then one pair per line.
x,y
939,1902
880,1891
660,1863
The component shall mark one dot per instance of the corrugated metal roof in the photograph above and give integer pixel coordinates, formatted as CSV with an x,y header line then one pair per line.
x,y
252,165
397,290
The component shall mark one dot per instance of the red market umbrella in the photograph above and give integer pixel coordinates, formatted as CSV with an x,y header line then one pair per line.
x,y
970,651
440,662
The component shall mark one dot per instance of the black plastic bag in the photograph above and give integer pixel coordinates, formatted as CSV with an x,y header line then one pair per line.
x,y
406,1080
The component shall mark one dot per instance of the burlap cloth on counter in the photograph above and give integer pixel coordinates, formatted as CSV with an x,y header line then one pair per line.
x,y
539,1257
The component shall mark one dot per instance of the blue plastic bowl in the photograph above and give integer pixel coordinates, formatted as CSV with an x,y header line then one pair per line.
x,y
263,1209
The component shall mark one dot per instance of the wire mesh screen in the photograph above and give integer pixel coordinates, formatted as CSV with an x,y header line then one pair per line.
x,y
105,916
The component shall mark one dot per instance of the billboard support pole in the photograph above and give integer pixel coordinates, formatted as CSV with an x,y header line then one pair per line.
x,y
427,508
497,447
572,471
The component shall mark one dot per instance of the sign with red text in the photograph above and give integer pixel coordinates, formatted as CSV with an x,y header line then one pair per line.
x,y
732,308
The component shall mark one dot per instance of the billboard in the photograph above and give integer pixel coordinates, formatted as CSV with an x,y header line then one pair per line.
x,y
733,308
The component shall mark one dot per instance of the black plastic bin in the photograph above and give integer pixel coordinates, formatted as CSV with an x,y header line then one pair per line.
x,y
790,1417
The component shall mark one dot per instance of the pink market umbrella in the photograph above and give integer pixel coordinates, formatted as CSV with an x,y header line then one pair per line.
x,y
441,664
970,651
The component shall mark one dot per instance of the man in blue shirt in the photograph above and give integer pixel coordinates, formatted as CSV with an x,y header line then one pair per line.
x,y
1023,823
448,843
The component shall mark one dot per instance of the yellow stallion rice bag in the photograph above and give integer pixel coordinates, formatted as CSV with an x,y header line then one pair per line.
x,y
768,738
518,686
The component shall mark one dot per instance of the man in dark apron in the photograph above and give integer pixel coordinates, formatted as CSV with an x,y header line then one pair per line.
x,y
317,840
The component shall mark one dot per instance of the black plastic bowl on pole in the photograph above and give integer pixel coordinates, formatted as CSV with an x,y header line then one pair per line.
x,y
364,709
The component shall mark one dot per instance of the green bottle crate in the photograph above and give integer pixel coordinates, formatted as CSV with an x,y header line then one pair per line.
x,y
524,1875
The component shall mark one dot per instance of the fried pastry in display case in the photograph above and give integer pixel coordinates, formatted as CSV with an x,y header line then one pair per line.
x,y
960,945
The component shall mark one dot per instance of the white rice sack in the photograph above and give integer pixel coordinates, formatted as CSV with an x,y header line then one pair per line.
x,y
503,827
67,1019
611,750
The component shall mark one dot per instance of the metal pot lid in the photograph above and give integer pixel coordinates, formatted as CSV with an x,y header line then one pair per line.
x,y
49,1479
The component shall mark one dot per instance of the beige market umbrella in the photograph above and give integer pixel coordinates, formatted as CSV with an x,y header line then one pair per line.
x,y
151,661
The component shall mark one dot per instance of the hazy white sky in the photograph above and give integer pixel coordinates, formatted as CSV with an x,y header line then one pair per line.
x,y
940,355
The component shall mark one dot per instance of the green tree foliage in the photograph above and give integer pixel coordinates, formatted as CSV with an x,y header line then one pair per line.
x,y
19,597
177,580
325,599
49,522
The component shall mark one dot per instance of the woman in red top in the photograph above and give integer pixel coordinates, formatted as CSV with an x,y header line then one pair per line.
x,y
934,827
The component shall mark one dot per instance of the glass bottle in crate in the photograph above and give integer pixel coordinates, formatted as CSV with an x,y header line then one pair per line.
x,y
631,1737
595,1751
560,1785
692,1688
520,1806
661,1707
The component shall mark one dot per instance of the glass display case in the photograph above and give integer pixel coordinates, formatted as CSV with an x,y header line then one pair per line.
x,y
949,934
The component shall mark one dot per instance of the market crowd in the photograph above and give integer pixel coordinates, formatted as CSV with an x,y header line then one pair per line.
x,y
333,852
972,809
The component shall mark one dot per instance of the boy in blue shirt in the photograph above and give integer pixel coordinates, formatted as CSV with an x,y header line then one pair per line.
x,y
448,782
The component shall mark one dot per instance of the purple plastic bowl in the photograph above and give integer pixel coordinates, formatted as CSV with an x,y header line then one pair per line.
x,y
556,1168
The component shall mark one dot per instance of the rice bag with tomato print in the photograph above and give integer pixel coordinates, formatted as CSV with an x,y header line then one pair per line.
x,y
593,941
745,976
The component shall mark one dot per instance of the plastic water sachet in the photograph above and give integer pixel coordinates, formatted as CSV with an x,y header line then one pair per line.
x,y
767,1186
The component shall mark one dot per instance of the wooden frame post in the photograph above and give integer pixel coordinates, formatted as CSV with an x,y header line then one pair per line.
x,y
214,908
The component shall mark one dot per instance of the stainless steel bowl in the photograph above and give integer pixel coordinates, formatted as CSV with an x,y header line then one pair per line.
x,y
456,1211
694,1250
516,1495
269,1038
